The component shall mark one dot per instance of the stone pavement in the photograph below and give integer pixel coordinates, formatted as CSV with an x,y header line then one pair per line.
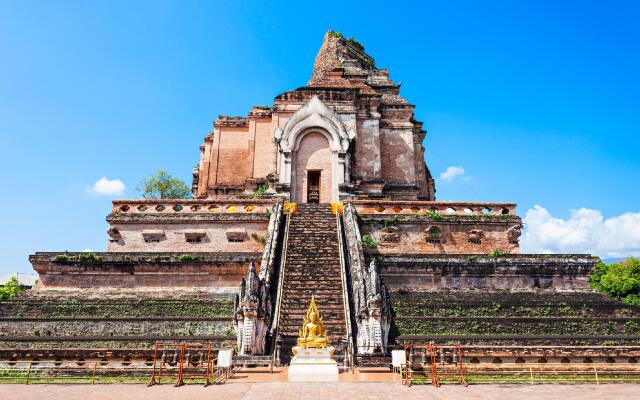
x,y
302,391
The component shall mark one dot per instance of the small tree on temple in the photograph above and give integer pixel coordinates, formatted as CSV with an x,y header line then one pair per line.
x,y
163,185
10,289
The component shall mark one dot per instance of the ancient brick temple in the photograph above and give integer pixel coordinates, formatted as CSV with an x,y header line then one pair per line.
x,y
326,193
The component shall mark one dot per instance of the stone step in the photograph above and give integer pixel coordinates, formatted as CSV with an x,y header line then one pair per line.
x,y
312,267
318,286
309,271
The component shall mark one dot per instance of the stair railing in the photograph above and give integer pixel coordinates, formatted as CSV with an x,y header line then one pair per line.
x,y
269,254
345,293
276,314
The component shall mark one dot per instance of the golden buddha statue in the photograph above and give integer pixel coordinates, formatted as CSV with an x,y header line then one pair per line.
x,y
312,333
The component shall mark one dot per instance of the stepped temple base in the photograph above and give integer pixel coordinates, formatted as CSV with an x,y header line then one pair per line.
x,y
313,365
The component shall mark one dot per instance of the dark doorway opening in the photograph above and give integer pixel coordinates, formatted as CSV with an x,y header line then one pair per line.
x,y
313,186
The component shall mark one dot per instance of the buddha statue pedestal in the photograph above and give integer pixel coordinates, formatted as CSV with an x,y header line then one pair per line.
x,y
313,364
313,361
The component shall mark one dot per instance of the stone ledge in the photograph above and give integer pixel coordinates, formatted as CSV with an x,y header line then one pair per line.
x,y
137,319
384,206
517,272
445,219
517,318
486,258
147,257
115,218
215,271
140,338
529,338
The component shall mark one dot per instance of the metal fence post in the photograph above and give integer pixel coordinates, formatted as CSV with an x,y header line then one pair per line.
x,y
28,373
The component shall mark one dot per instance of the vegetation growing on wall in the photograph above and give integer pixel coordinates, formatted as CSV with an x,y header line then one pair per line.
x,y
387,222
499,253
11,289
163,185
620,280
368,242
222,306
337,34
434,215
88,257
259,238
84,257
511,314
62,257
260,191
188,257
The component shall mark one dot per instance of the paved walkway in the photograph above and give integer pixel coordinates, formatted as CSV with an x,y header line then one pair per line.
x,y
341,390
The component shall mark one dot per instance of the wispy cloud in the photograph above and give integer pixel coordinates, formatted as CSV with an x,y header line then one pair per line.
x,y
104,186
585,231
451,173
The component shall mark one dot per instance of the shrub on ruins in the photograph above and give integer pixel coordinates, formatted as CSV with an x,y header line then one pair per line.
x,y
260,191
89,257
368,242
387,222
434,215
259,238
11,289
499,253
163,185
62,257
620,280
188,257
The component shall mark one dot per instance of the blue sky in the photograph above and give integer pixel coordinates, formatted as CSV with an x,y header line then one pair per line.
x,y
537,102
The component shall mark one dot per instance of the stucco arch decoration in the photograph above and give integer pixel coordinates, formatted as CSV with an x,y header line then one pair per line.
x,y
315,116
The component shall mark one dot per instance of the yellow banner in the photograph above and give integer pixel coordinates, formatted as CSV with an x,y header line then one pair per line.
x,y
290,208
337,208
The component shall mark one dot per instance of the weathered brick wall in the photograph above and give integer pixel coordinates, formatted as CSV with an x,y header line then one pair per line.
x,y
524,272
420,227
478,317
232,164
112,319
231,225
266,150
459,237
396,149
220,272
46,327
368,164
174,238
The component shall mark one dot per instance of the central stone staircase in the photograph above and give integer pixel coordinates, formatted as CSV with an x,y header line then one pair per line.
x,y
312,267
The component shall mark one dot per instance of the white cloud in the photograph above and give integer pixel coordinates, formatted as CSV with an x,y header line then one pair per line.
x,y
585,231
87,250
451,173
107,187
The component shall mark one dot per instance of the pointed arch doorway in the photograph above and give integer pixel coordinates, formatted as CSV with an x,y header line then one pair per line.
x,y
313,169
313,139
